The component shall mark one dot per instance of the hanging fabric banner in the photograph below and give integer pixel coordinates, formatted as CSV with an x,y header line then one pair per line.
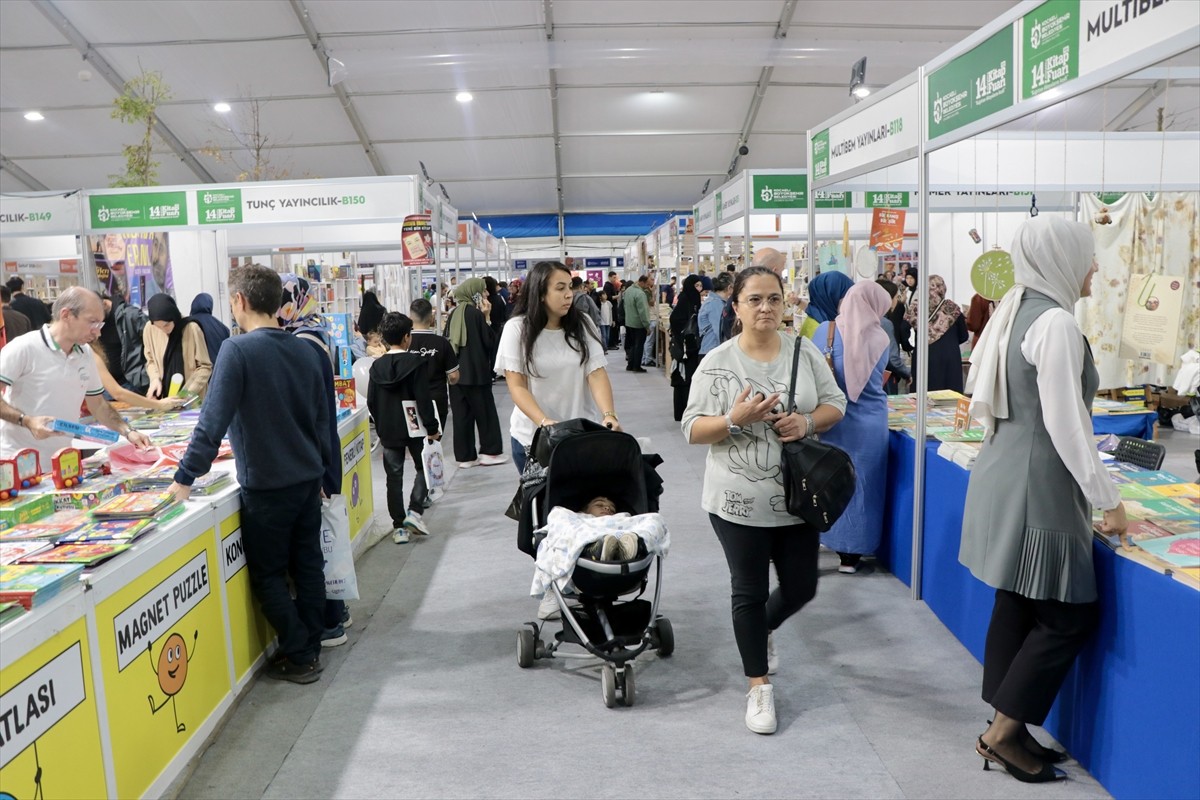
x,y
416,240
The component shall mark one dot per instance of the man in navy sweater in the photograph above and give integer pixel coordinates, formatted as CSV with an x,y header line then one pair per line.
x,y
269,392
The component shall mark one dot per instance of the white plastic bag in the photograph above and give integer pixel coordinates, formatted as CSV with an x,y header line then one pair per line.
x,y
434,463
341,582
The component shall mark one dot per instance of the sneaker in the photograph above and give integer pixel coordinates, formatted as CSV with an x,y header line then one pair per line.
x,y
628,546
347,620
486,460
548,608
334,637
848,569
468,464
414,523
772,656
608,548
400,536
284,669
760,709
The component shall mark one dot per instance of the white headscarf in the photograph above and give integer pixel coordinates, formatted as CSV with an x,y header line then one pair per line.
x,y
1051,255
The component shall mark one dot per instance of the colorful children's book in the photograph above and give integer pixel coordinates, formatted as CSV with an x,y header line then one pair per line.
x,y
136,505
1140,529
33,584
10,611
161,477
1178,490
87,553
108,530
51,527
1152,477
12,552
1137,491
1156,510
1181,551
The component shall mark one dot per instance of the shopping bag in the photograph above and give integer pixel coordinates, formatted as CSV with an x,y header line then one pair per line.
x,y
341,582
434,464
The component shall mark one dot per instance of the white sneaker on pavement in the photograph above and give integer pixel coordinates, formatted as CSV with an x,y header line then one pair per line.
x,y
414,523
772,656
760,709
468,464
400,536
548,608
491,461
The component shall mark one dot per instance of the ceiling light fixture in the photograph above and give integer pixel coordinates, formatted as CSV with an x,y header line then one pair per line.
x,y
861,91
222,108
34,116
858,79
464,97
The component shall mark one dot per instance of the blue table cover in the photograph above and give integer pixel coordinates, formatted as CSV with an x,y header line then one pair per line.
x,y
1139,425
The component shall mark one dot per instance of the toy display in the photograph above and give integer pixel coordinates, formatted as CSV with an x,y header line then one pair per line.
x,y
10,484
67,469
29,467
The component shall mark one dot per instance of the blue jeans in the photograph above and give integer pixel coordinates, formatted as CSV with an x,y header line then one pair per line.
x,y
604,336
519,455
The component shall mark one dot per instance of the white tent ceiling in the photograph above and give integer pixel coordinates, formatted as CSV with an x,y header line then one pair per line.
x,y
651,99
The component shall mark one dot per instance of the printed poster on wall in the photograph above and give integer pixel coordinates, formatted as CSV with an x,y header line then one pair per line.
x,y
1153,308
887,229
135,265
416,241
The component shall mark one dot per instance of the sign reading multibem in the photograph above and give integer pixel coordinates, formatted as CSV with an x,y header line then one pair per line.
x,y
881,130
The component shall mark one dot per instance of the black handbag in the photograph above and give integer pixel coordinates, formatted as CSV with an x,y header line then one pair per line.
x,y
818,478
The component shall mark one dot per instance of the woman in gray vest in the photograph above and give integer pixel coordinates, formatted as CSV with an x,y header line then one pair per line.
x,y
1027,527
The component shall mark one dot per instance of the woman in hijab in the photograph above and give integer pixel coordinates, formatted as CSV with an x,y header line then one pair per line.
x,y
824,294
685,342
947,330
370,314
499,313
1027,526
215,331
471,400
174,345
859,357
300,313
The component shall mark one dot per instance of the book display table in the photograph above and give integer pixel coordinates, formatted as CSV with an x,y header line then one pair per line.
x,y
1135,683
121,678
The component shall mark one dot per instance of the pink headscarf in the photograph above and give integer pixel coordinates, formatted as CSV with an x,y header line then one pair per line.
x,y
863,338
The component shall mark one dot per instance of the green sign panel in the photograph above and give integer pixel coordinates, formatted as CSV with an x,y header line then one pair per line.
x,y
973,86
887,200
780,191
1049,46
139,210
992,274
219,206
824,199
717,208
820,155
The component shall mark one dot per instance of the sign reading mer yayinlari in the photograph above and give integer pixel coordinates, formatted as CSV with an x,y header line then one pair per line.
x,y
146,210
973,86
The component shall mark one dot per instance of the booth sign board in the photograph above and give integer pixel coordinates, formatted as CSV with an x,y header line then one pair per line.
x,y
974,85
290,203
880,130
780,192
142,210
31,216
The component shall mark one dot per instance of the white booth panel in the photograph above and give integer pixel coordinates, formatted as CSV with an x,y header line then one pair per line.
x,y
37,248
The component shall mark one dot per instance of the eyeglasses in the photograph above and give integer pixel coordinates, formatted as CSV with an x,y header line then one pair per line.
x,y
772,301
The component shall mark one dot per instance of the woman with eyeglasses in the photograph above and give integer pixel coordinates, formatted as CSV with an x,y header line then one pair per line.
x,y
736,406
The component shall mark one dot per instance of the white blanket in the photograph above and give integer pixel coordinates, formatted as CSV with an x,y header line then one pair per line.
x,y
569,532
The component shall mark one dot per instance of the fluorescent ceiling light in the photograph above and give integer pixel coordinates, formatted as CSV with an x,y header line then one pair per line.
x,y
222,108
861,91
34,116
464,97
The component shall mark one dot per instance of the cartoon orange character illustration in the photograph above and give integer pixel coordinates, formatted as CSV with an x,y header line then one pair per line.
x,y
171,671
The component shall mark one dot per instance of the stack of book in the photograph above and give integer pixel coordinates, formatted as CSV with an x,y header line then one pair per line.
x,y
107,530
89,554
33,584
10,611
158,478
13,551
142,505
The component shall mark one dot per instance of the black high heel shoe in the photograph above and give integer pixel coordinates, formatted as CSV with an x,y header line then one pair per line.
x,y
1047,754
1047,774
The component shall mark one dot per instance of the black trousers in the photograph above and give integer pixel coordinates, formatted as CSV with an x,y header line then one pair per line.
x,y
393,468
635,344
1031,645
474,408
756,609
281,531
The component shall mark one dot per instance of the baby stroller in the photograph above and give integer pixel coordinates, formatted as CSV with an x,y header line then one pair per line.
x,y
583,459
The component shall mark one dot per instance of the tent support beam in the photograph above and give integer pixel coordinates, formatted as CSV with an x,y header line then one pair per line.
x,y
24,177
1133,109
548,9
760,89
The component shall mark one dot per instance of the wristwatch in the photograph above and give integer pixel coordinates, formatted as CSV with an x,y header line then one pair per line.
x,y
734,430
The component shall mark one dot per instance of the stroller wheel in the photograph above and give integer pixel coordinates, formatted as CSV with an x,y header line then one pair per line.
x,y
629,693
526,651
608,684
666,637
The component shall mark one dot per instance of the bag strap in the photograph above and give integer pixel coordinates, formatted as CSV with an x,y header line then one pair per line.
x,y
829,345
791,403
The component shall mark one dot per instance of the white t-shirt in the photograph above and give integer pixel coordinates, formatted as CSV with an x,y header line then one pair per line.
x,y
560,386
605,312
41,380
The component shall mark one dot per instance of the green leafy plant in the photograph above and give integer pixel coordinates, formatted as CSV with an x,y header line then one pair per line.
x,y
138,105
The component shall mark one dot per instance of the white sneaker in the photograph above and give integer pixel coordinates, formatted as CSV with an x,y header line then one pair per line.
x,y
400,536
629,546
414,523
468,464
760,709
772,656
548,608
491,461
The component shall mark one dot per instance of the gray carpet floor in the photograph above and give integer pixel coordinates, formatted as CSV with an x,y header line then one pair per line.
x,y
874,697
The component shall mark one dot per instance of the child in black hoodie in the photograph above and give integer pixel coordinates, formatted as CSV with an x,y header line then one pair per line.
x,y
398,378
